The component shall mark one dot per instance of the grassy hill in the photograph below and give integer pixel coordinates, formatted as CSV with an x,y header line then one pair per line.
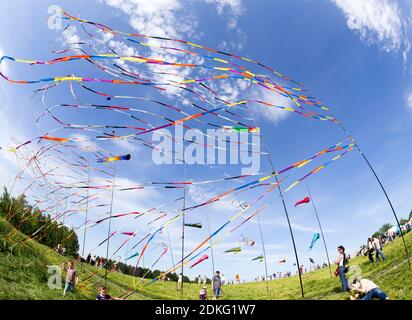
x,y
23,275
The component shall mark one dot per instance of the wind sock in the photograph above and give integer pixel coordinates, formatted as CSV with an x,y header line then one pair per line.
x,y
205,257
304,200
132,256
234,250
117,158
194,225
260,258
316,237
282,261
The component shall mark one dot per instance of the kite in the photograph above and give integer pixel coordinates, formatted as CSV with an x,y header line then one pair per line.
x,y
247,242
282,261
132,256
234,250
117,158
304,200
205,257
193,225
260,258
311,260
315,238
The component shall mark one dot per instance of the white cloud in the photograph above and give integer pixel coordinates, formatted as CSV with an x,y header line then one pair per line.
x,y
378,21
70,37
272,114
3,66
409,100
232,9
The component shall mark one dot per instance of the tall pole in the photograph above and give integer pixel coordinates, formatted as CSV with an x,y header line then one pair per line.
x,y
284,206
321,230
211,247
264,254
382,187
110,223
171,251
183,219
86,216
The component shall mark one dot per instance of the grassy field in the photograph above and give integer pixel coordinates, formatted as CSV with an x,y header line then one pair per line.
x,y
23,275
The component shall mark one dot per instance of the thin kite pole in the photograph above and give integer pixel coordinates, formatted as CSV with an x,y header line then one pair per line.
x,y
87,211
183,219
264,254
171,251
382,187
284,205
110,222
321,231
211,247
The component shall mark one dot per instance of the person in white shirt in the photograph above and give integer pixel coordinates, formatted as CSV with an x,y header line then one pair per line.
x,y
371,248
369,289
378,248
341,268
180,282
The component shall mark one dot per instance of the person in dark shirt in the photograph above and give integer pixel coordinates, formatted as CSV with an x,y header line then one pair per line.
x,y
103,295
217,285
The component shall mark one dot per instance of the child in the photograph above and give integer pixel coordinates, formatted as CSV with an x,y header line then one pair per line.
x,y
71,278
103,295
203,294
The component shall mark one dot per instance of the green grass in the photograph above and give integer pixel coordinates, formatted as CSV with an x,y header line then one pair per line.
x,y
23,275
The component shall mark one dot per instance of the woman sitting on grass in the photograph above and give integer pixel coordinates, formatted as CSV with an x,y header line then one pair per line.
x,y
367,289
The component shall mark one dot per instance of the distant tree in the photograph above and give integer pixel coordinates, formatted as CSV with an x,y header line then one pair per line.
x,y
377,234
385,228
403,221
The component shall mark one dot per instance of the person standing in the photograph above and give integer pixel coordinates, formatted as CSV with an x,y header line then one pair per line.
x,y
71,278
342,263
204,280
217,285
180,282
378,247
371,248
199,280
223,279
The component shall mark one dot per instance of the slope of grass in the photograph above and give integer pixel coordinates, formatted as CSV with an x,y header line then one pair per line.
x,y
23,275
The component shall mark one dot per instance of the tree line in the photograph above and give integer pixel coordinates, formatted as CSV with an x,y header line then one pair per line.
x,y
32,222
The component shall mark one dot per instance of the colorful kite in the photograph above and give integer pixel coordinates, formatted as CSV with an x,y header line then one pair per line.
x,y
304,200
260,258
205,257
234,250
117,158
315,238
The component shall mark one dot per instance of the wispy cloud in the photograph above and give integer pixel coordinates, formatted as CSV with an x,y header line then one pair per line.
x,y
408,98
3,66
272,114
379,22
232,9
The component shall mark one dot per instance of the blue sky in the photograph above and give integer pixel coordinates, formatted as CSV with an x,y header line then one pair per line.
x,y
353,55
